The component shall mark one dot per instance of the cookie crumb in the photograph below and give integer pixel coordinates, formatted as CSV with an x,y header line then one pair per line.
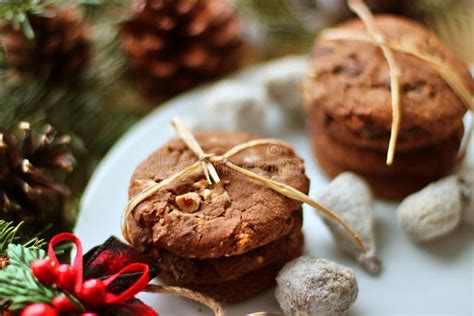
x,y
201,184
207,194
244,240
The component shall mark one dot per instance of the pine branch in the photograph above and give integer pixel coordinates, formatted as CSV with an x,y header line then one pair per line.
x,y
9,234
19,286
274,15
77,111
453,21
281,26
94,111
16,11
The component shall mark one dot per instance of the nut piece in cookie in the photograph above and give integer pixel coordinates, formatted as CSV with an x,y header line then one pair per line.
x,y
188,202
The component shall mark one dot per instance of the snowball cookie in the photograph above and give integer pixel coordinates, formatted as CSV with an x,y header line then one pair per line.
x,y
466,176
315,287
432,212
233,106
349,196
283,85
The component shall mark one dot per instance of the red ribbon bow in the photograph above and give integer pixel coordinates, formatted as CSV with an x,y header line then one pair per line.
x,y
110,298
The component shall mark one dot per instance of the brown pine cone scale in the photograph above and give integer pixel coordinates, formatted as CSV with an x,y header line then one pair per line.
x,y
32,168
59,51
173,45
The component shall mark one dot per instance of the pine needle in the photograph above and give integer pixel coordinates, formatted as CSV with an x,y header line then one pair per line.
x,y
19,286
9,234
16,11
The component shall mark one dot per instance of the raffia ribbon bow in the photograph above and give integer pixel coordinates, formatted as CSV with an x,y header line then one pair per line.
x,y
374,36
207,161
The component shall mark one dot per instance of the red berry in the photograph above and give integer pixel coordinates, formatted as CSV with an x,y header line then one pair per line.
x,y
92,293
66,277
89,314
39,309
63,304
44,271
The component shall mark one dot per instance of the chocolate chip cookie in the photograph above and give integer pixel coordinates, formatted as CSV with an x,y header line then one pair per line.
x,y
347,99
229,235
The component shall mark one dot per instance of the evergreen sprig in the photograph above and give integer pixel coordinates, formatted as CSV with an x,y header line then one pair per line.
x,y
16,11
9,233
19,286
94,110
276,16
78,111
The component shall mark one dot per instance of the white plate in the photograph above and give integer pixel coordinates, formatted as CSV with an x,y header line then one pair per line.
x,y
437,278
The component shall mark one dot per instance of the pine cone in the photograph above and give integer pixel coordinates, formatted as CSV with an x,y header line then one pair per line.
x,y
173,45
60,49
398,7
31,168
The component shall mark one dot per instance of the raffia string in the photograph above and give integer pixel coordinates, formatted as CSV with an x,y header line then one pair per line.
x,y
377,38
206,163
195,296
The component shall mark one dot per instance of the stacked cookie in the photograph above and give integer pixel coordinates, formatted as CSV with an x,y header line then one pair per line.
x,y
227,240
349,114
